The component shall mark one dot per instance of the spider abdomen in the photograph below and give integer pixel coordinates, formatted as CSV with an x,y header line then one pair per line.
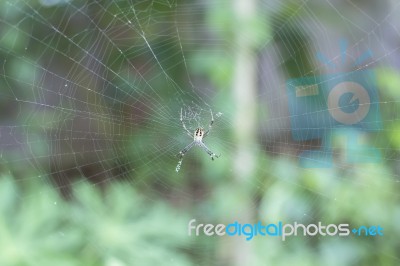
x,y
198,134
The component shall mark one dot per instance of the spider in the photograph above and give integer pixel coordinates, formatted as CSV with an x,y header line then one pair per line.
x,y
198,136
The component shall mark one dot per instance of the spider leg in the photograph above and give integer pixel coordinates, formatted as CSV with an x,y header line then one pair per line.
x,y
184,126
212,155
185,150
182,153
210,125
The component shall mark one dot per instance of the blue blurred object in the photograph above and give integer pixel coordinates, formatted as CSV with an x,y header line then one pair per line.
x,y
319,105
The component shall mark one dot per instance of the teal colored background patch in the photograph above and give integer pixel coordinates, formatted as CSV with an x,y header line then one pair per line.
x,y
310,117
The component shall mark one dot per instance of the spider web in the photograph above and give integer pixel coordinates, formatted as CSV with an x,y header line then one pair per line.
x,y
94,89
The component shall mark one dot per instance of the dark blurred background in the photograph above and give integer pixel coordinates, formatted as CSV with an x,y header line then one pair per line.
x,y
90,100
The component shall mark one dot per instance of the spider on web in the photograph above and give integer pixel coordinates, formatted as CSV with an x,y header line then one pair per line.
x,y
198,136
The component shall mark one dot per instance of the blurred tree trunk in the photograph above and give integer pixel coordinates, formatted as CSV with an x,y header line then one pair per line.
x,y
245,102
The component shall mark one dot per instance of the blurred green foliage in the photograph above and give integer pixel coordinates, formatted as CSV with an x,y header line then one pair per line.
x,y
116,228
